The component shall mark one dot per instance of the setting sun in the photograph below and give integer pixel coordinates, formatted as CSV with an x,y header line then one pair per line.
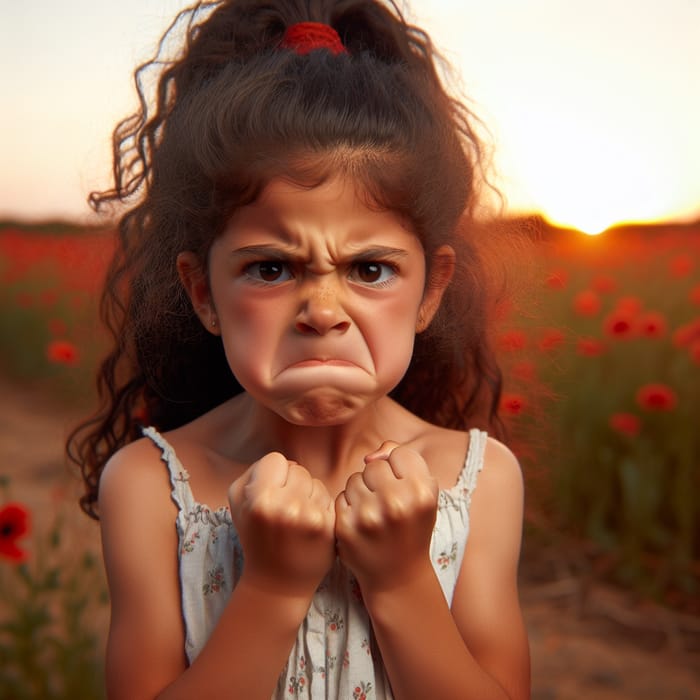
x,y
589,165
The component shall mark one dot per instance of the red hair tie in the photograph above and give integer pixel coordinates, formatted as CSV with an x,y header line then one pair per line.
x,y
307,36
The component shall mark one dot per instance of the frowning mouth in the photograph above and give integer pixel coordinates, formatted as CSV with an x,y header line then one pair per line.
x,y
319,362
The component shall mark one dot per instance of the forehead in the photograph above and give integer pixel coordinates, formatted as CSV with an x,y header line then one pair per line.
x,y
337,209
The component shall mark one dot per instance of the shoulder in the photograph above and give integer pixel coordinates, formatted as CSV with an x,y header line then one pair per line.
x,y
500,467
496,510
136,468
499,488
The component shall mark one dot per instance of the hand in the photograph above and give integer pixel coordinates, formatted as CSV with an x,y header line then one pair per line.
x,y
285,520
384,519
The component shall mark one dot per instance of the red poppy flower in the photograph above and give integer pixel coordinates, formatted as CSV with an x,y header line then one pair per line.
x,y
512,404
681,265
628,305
512,340
62,352
502,309
551,339
657,397
140,415
619,325
603,284
590,347
694,295
694,351
687,334
652,324
557,279
525,370
587,303
14,524
625,423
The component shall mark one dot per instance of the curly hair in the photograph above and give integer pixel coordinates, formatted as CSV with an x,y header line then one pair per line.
x,y
231,111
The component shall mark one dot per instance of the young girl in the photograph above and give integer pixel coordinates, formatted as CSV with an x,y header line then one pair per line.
x,y
299,318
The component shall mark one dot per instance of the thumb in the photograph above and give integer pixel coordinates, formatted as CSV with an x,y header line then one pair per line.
x,y
269,470
382,452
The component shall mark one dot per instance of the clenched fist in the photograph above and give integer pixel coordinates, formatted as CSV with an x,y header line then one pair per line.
x,y
385,517
284,519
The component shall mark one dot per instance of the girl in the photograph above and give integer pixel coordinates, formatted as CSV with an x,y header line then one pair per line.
x,y
299,314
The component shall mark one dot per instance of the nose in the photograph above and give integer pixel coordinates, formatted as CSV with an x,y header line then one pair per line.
x,y
321,310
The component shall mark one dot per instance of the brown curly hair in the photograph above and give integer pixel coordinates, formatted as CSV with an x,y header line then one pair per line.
x,y
232,110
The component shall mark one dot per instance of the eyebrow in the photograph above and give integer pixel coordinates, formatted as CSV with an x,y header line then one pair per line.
x,y
271,251
276,252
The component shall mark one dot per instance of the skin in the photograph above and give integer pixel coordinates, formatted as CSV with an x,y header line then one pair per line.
x,y
315,459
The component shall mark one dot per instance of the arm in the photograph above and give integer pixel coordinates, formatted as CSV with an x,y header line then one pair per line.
x,y
479,648
250,645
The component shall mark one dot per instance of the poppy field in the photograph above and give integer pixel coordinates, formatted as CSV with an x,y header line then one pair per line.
x,y
602,365
601,356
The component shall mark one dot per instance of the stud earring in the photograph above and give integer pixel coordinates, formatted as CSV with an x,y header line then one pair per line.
x,y
213,323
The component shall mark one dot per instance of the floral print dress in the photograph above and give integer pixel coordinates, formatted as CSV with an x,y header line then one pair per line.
x,y
335,655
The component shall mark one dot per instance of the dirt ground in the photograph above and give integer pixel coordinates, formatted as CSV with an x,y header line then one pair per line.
x,y
600,645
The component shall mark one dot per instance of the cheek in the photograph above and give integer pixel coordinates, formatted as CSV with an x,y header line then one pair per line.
x,y
250,332
393,334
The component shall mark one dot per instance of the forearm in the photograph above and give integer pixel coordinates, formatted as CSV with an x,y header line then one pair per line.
x,y
422,649
247,650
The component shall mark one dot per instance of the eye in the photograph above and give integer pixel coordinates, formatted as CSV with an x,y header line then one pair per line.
x,y
268,272
373,273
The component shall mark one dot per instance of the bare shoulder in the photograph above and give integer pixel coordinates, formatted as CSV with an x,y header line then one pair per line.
x,y
497,501
137,471
136,510
501,469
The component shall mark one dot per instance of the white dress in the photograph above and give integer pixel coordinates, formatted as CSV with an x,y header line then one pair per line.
x,y
335,655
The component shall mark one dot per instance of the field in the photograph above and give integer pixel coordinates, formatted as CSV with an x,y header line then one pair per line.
x,y
600,344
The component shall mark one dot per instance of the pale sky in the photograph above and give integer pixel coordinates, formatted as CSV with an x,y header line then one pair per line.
x,y
594,105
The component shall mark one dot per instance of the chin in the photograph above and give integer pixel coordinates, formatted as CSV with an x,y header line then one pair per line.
x,y
320,411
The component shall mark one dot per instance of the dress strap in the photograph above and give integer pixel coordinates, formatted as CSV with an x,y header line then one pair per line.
x,y
179,478
474,461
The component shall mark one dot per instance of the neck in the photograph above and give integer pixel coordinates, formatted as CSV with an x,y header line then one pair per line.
x,y
327,452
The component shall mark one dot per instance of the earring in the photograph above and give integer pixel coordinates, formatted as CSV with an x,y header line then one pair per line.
x,y
212,323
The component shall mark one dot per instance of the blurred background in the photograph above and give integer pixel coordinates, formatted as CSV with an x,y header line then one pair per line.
x,y
591,110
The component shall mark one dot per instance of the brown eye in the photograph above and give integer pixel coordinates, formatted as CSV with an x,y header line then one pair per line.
x,y
268,271
369,272
373,273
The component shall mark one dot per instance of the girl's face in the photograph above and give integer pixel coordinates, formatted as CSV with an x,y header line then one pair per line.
x,y
317,299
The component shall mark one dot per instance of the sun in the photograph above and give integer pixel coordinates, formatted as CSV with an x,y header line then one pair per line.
x,y
590,223
582,166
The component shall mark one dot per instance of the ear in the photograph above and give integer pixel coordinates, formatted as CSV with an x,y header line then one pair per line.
x,y
440,274
194,279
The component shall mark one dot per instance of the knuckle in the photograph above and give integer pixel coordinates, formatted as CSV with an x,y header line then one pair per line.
x,y
396,508
369,520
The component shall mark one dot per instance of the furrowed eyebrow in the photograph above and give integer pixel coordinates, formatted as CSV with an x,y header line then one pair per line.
x,y
277,253
379,253
269,252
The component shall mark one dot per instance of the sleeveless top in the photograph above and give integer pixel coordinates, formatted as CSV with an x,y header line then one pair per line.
x,y
335,654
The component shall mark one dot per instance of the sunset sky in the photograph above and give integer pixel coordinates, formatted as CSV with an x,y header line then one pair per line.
x,y
593,105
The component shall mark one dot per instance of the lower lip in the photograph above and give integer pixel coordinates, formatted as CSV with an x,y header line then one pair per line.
x,y
323,363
